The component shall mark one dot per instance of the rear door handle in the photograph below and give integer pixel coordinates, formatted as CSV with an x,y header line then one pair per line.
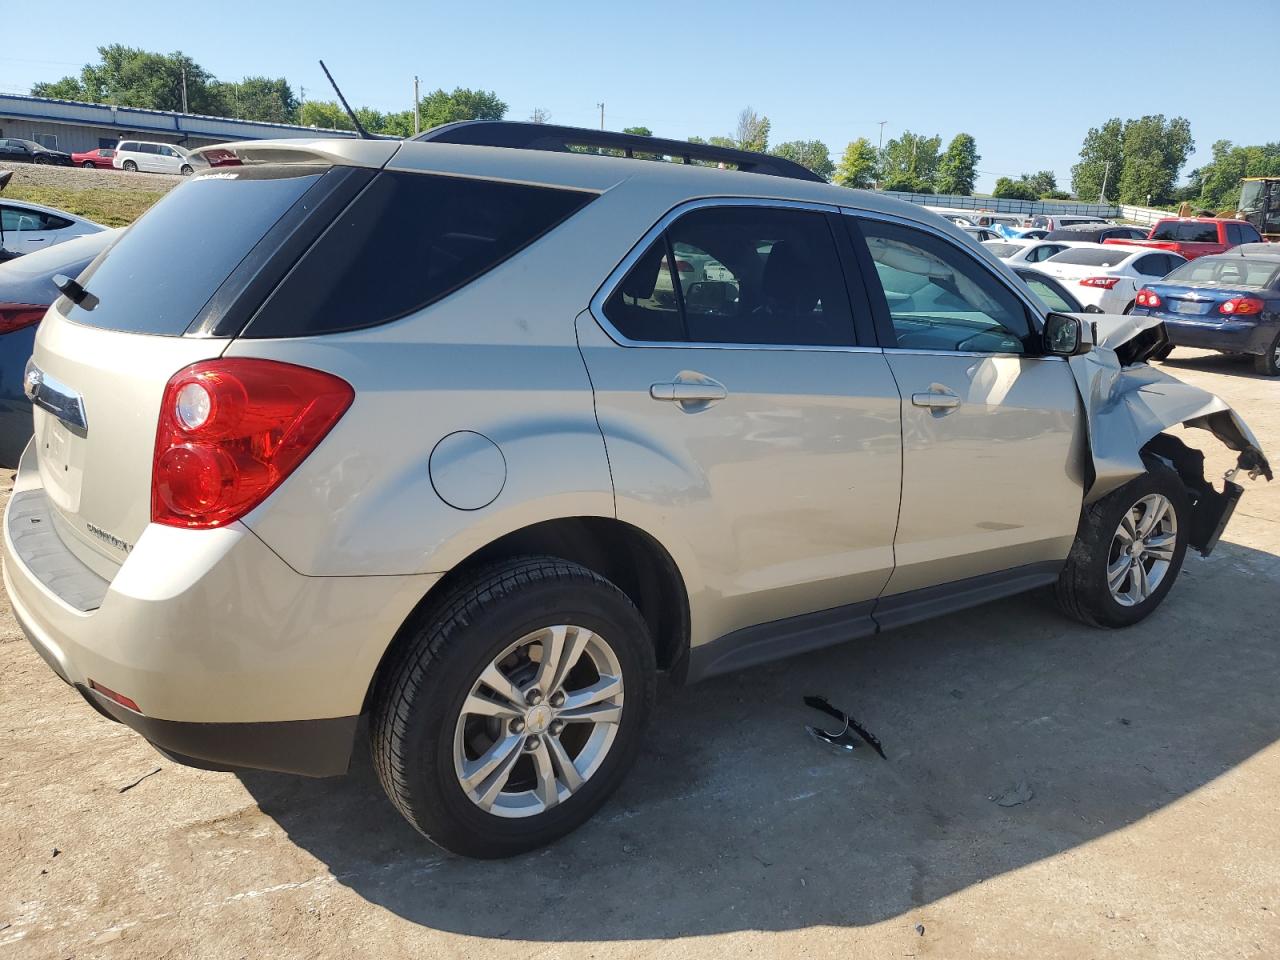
x,y
938,401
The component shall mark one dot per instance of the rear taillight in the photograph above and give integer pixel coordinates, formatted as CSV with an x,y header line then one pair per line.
x,y
231,430
1106,283
15,316
1242,307
1148,298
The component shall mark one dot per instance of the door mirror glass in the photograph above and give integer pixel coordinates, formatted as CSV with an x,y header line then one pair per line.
x,y
1065,336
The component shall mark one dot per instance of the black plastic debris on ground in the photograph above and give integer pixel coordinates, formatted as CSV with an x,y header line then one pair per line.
x,y
845,738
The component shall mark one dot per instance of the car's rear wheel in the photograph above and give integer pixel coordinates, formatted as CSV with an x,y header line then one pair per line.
x,y
513,707
1128,550
186,170
130,166
1268,364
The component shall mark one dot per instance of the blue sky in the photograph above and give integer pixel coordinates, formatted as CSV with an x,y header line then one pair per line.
x,y
1027,79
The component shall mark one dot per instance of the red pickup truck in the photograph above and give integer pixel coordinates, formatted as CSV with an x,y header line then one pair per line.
x,y
1196,236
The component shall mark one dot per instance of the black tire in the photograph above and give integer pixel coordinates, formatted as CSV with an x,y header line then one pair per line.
x,y
420,690
1268,364
186,170
1082,589
130,166
88,164
1129,308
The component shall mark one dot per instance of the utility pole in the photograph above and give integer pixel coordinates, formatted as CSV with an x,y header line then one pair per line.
x,y
417,109
880,153
601,106
1106,170
184,89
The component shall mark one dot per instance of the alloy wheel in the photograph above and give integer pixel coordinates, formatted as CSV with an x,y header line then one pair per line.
x,y
539,721
1142,549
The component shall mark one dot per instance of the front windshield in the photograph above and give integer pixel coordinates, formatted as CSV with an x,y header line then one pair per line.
x,y
1251,197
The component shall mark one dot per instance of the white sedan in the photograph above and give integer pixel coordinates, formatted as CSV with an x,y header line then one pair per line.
x,y
28,227
1109,276
1025,251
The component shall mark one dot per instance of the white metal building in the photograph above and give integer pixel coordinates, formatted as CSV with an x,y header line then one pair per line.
x,y
70,126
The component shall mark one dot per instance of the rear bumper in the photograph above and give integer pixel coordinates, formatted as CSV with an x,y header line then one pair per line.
x,y
1234,336
234,659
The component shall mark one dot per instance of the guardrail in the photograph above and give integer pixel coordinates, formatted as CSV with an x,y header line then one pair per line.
x,y
1001,205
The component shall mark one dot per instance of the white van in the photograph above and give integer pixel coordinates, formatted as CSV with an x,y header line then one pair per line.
x,y
152,157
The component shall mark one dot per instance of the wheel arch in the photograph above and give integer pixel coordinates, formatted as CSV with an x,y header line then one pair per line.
x,y
631,559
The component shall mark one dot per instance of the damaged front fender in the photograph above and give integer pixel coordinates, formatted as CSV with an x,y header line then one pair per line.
x,y
1128,403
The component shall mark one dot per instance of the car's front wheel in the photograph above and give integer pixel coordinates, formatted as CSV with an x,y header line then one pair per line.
x,y
513,707
1128,550
88,164
186,170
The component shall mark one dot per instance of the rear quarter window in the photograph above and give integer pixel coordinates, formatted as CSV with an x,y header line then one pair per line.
x,y
406,241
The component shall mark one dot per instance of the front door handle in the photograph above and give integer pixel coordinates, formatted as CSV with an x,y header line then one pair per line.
x,y
936,400
679,391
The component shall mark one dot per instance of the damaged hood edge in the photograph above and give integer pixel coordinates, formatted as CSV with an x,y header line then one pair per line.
x,y
1127,405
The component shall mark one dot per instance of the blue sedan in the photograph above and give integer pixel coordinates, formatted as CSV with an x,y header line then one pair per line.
x,y
1229,302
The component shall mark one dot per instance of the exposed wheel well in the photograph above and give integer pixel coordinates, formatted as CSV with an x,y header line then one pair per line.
x,y
627,556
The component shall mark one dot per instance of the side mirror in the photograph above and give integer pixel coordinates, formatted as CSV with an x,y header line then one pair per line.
x,y
1066,335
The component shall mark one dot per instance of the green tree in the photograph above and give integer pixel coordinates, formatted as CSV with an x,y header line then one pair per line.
x,y
752,132
1154,151
912,158
1219,180
1041,182
131,77
858,166
906,184
1101,158
1010,189
957,171
812,154
326,114
440,106
638,131
260,98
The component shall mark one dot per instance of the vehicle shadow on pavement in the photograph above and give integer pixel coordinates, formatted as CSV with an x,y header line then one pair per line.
x,y
1205,362
734,819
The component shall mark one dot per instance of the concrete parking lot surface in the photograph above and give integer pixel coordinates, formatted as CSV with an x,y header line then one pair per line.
x,y
1142,768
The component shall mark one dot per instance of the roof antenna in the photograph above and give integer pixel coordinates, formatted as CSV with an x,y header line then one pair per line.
x,y
364,134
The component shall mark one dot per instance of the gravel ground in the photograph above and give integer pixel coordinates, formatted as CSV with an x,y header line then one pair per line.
x,y
1141,768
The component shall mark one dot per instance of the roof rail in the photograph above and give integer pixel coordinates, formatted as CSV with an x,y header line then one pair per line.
x,y
546,136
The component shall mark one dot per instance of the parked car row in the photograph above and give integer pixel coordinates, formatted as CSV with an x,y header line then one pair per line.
x,y
132,155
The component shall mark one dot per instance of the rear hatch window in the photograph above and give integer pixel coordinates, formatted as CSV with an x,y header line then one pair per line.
x,y
166,267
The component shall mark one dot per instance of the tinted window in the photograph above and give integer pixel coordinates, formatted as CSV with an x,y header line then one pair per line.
x,y
148,148
1233,234
406,241
128,145
940,298
1248,234
16,219
167,266
1051,294
1092,257
1186,232
1155,265
644,305
760,275
1044,252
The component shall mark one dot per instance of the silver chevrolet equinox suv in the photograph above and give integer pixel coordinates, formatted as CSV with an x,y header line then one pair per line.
x,y
477,435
